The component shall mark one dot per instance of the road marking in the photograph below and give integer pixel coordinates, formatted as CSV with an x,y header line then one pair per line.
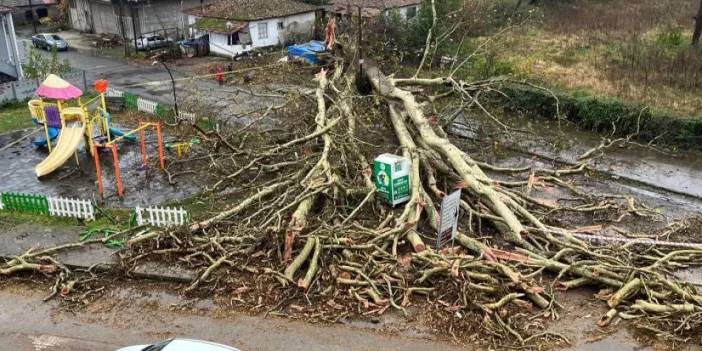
x,y
43,342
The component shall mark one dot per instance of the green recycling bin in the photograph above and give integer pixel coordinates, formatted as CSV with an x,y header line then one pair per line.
x,y
391,174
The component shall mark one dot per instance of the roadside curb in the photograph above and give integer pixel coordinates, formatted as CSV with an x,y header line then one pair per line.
x,y
138,273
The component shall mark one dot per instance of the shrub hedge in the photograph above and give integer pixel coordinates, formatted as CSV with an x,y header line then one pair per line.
x,y
599,113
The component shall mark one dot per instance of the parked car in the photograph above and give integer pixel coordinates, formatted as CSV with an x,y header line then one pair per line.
x,y
150,42
48,41
180,345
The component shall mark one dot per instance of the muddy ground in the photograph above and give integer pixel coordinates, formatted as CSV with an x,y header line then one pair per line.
x,y
140,312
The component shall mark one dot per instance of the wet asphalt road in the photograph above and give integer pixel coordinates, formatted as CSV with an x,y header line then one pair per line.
x,y
128,316
28,324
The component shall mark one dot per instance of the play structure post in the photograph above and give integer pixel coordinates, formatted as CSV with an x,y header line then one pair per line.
x,y
161,155
46,127
46,132
102,102
98,170
142,140
118,172
106,127
101,87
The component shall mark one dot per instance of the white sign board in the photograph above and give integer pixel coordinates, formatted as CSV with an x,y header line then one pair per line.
x,y
448,225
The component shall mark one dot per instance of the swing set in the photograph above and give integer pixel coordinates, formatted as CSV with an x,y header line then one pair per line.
x,y
111,145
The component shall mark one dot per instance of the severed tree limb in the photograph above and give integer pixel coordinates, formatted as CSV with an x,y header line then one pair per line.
x,y
313,266
430,35
471,175
240,206
298,221
300,259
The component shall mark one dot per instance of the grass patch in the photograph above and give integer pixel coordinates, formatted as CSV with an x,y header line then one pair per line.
x,y
118,219
14,117
198,206
601,47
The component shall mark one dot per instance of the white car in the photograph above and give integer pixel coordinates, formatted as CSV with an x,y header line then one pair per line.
x,y
150,42
180,345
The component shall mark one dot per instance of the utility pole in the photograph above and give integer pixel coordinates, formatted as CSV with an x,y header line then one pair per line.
x,y
134,19
121,27
31,11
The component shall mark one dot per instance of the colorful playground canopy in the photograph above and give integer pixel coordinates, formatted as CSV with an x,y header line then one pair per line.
x,y
54,87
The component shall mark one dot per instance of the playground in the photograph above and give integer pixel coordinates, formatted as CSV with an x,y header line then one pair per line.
x,y
79,149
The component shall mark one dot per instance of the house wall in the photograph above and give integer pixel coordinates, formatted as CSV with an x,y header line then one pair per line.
x,y
19,14
402,11
301,25
298,27
155,15
218,46
104,19
9,53
102,16
79,15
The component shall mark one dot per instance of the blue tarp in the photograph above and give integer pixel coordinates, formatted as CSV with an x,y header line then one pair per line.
x,y
307,51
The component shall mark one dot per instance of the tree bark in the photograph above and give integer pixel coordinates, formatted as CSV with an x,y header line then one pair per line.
x,y
698,27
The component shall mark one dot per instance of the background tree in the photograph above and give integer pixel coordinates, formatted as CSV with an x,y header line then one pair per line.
x,y
39,66
698,27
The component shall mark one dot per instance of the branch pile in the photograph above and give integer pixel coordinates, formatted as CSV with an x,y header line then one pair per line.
x,y
301,229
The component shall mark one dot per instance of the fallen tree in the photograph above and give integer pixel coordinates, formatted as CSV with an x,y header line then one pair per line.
x,y
302,228
347,250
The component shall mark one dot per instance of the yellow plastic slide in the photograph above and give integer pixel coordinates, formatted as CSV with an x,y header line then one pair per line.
x,y
68,142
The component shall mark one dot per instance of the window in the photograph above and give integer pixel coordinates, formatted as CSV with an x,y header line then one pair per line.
x,y
411,12
263,30
281,25
233,39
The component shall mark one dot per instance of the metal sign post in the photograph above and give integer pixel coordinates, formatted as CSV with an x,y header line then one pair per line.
x,y
448,222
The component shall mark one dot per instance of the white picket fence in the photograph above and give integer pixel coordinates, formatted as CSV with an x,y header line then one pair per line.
x,y
112,92
147,106
187,116
65,207
161,216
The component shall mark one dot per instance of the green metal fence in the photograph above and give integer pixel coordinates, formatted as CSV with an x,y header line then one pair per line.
x,y
25,203
130,101
164,111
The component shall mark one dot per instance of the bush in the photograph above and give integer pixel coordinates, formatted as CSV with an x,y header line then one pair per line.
x,y
600,114
671,38
38,66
